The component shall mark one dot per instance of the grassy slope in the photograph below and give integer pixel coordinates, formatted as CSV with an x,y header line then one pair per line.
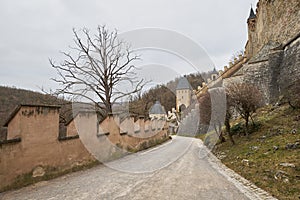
x,y
257,158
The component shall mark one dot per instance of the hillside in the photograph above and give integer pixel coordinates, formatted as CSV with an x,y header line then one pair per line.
x,y
166,94
270,156
10,98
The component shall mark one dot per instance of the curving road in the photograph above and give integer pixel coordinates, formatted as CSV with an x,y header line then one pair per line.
x,y
179,169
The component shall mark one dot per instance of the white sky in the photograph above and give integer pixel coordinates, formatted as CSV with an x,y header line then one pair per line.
x,y
33,31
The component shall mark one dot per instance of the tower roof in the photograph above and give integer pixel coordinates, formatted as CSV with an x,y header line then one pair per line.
x,y
157,108
252,14
214,71
183,84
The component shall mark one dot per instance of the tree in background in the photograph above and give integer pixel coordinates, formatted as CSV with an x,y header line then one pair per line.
x,y
99,64
245,99
228,117
165,93
142,103
212,110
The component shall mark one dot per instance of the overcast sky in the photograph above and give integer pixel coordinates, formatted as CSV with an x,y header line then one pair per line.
x,y
33,31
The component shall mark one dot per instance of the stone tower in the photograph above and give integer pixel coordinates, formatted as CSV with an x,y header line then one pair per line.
x,y
214,74
183,94
251,34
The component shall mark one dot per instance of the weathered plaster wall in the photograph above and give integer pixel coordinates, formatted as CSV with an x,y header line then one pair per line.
x,y
33,140
114,138
39,144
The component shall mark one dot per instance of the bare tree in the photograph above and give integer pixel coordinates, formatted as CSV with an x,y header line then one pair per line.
x,y
205,108
245,99
228,117
99,64
142,103
212,110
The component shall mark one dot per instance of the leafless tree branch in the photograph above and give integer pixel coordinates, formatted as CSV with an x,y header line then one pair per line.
x,y
98,64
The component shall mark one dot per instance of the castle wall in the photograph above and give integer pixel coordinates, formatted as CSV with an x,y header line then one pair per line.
x,y
34,142
39,145
276,20
127,126
290,66
13,129
71,129
274,75
273,48
272,61
257,74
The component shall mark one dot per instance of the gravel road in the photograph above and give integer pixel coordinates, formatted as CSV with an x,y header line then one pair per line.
x,y
179,169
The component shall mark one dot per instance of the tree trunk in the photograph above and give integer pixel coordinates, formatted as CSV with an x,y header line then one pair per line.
x,y
221,137
246,125
220,133
227,125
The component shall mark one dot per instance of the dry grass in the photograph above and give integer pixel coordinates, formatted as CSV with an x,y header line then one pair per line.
x,y
258,157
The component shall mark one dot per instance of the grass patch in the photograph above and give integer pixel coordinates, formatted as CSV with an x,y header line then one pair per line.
x,y
201,136
260,157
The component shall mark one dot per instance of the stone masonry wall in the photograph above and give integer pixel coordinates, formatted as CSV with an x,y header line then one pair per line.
x,y
276,20
290,66
257,74
274,75
274,64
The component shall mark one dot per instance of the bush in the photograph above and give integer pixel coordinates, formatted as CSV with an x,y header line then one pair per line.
x,y
245,99
237,129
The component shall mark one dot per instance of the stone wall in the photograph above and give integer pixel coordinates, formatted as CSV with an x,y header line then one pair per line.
x,y
254,74
33,140
273,75
273,63
272,56
290,65
276,20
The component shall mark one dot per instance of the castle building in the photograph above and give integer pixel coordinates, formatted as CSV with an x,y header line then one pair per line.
x,y
157,111
183,94
214,74
251,21
271,61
